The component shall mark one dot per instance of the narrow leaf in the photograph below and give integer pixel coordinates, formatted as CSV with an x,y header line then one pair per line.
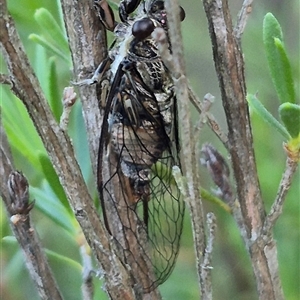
x,y
51,29
53,180
11,240
258,107
64,260
290,116
278,62
287,85
44,43
205,195
48,204
53,91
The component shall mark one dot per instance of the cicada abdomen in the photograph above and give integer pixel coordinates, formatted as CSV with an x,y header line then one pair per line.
x,y
141,203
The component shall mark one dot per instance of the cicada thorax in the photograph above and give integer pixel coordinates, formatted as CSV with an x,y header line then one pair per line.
x,y
141,115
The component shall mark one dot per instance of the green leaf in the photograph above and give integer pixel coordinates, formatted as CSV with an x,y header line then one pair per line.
x,y
52,37
287,84
22,135
113,5
64,260
54,96
163,172
53,180
205,195
290,116
258,107
51,29
49,46
48,204
11,240
279,65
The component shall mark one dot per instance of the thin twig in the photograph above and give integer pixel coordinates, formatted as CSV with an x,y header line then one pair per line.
x,y
207,102
177,69
5,79
87,41
207,261
69,98
87,286
229,66
277,207
211,121
242,18
206,105
16,199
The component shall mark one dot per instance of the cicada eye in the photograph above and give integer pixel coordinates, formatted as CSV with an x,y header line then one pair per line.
x,y
142,28
182,14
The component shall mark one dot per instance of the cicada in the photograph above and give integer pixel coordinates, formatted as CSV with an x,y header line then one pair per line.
x,y
141,203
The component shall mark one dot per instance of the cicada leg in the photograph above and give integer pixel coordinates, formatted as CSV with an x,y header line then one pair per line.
x,y
105,14
127,7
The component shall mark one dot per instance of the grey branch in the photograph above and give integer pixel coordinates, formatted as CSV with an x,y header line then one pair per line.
x,y
87,41
204,115
242,18
87,287
229,65
277,207
16,199
188,152
207,261
211,121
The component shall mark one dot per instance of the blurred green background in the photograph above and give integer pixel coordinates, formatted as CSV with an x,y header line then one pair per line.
x,y
232,274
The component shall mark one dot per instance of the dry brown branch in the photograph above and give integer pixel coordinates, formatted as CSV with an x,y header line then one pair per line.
x,y
211,121
229,66
14,192
242,18
87,41
87,287
189,150
277,207
207,260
